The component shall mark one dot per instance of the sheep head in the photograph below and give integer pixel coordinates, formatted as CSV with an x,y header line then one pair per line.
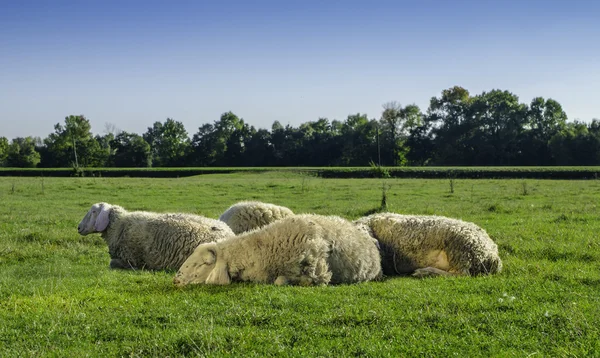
x,y
96,219
203,267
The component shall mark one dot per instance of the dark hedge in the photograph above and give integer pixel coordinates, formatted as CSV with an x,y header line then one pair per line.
x,y
364,172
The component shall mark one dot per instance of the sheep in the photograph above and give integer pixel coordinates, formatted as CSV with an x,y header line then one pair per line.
x,y
248,215
431,245
303,250
154,241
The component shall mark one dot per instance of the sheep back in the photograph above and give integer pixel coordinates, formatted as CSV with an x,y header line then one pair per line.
x,y
353,255
159,240
249,215
292,248
410,242
326,249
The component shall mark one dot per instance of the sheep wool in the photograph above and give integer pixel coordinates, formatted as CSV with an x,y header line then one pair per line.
x,y
154,241
249,215
431,245
297,250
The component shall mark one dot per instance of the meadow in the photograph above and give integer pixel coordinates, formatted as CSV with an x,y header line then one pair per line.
x,y
59,298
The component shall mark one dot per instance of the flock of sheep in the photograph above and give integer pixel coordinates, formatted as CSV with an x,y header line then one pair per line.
x,y
266,243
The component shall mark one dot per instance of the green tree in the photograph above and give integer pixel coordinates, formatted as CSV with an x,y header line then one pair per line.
x,y
284,144
3,150
359,138
313,143
130,150
203,146
21,153
236,144
227,126
446,122
494,130
576,144
169,143
71,145
259,150
96,152
223,143
394,128
420,144
545,119
487,129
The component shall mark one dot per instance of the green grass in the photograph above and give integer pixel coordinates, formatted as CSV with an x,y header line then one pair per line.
x,y
58,297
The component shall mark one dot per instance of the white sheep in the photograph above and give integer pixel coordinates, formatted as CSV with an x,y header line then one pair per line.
x,y
249,215
424,245
155,241
303,250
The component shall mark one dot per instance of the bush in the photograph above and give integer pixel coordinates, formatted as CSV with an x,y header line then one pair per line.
x,y
340,172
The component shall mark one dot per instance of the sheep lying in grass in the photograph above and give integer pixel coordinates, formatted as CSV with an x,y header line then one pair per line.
x,y
297,250
155,241
431,245
249,215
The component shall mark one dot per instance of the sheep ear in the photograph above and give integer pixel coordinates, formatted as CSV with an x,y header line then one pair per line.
x,y
102,219
219,275
210,256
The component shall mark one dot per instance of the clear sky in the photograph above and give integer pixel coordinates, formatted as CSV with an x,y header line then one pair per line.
x,y
131,63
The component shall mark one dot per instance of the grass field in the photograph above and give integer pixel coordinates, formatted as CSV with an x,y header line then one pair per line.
x,y
58,297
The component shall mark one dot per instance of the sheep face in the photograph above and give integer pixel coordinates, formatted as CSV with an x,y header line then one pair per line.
x,y
96,219
203,267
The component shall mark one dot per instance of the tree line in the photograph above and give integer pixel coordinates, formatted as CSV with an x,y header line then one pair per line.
x,y
489,129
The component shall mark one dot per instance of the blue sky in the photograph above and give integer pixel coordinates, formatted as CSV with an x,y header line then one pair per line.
x,y
131,63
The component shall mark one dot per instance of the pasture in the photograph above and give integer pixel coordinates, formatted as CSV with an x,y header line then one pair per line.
x,y
59,298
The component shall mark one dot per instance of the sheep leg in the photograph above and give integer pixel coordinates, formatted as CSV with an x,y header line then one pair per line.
x,y
301,281
322,275
432,272
281,281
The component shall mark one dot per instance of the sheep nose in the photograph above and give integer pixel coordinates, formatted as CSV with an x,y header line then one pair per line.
x,y
79,228
176,281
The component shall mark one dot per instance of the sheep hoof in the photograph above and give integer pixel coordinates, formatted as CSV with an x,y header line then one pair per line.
x,y
307,281
281,281
430,272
